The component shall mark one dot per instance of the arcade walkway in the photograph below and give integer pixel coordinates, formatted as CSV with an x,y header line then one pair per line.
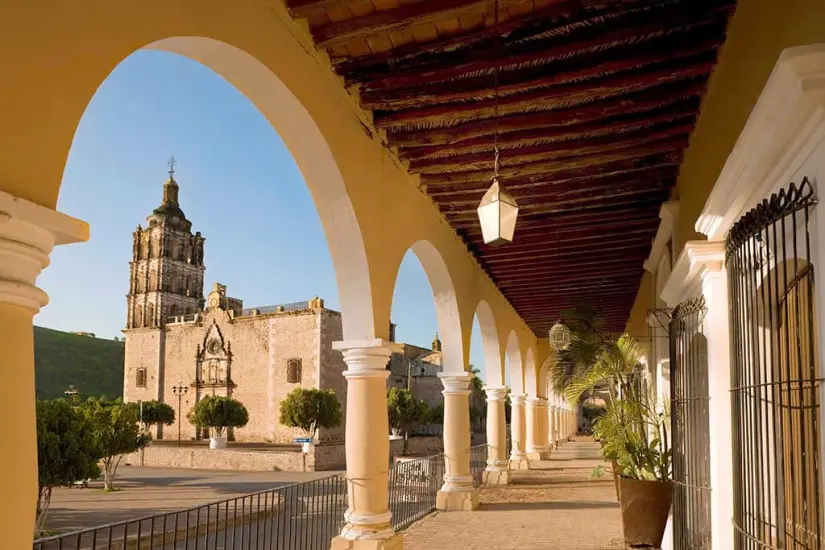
x,y
552,507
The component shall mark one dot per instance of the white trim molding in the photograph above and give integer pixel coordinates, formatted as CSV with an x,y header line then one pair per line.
x,y
784,128
697,258
28,233
669,213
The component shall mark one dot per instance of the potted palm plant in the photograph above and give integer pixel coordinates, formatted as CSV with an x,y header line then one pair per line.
x,y
635,439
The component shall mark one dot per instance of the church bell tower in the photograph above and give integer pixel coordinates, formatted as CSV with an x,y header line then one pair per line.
x,y
166,271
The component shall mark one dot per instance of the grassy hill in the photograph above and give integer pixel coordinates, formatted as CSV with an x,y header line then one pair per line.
x,y
93,365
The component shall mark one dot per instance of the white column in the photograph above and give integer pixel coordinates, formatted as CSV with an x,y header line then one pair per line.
x,y
715,291
458,492
542,440
497,471
533,426
518,433
368,519
551,440
28,233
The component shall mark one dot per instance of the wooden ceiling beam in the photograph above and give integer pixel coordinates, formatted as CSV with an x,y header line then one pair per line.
x,y
558,97
628,197
513,141
386,21
625,170
305,8
558,18
606,241
557,151
639,102
476,62
545,168
527,80
536,195
593,218
620,255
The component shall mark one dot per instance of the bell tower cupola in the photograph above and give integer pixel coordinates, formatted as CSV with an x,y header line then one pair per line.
x,y
167,269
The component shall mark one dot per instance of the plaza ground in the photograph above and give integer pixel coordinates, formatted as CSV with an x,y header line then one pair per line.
x,y
551,507
148,491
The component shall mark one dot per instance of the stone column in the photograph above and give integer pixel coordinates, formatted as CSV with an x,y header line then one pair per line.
x,y
368,520
717,331
551,411
28,233
458,492
542,439
518,433
497,471
557,417
533,424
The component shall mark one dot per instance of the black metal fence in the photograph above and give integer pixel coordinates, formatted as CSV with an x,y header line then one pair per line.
x,y
478,461
413,486
303,516
690,427
775,377
294,517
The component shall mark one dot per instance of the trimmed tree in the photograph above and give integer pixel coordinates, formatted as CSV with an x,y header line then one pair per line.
x,y
310,409
404,411
155,413
66,452
218,413
115,432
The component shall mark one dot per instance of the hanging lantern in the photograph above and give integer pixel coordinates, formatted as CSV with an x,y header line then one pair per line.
x,y
497,213
560,336
498,210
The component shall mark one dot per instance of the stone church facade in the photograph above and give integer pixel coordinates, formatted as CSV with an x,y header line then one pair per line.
x,y
176,337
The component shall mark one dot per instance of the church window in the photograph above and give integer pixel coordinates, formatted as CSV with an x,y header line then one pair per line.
x,y
175,251
139,316
293,371
140,379
153,281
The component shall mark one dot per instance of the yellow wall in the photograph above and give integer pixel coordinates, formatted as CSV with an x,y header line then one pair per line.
x,y
758,32
53,59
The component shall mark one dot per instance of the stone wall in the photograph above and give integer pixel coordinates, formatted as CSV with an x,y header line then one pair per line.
x,y
417,446
202,458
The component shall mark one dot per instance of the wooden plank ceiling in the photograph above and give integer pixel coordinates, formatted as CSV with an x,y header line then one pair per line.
x,y
597,101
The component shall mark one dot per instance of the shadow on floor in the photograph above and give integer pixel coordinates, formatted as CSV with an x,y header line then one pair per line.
x,y
559,505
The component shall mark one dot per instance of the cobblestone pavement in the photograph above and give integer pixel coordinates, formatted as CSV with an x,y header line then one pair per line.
x,y
552,507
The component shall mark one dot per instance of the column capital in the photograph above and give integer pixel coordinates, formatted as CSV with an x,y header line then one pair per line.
x,y
518,398
28,233
496,393
538,402
365,358
456,383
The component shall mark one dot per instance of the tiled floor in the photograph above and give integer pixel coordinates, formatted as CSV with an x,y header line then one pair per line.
x,y
552,507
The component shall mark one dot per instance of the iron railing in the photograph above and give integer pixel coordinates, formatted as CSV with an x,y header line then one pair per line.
x,y
413,486
303,516
295,517
478,461
775,377
690,427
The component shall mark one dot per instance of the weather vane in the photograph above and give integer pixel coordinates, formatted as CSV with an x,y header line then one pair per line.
x,y
172,161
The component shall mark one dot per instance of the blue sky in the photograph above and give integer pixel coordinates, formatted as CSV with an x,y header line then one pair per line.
x,y
238,185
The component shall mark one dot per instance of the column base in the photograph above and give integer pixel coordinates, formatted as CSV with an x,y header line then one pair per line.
x,y
533,455
495,477
450,501
520,463
395,542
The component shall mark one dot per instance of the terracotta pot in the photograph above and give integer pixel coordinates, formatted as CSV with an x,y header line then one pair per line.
x,y
645,507
615,467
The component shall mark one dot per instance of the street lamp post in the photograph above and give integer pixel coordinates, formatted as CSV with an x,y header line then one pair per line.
x,y
179,390
71,393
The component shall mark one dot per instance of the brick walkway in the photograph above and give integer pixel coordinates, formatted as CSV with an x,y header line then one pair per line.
x,y
553,507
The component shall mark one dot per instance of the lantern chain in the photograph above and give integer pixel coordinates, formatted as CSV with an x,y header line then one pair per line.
x,y
497,55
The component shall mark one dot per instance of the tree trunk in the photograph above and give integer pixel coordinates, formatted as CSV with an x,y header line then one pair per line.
x,y
44,499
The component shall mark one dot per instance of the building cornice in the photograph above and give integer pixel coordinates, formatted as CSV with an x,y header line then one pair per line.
x,y
784,127
697,259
